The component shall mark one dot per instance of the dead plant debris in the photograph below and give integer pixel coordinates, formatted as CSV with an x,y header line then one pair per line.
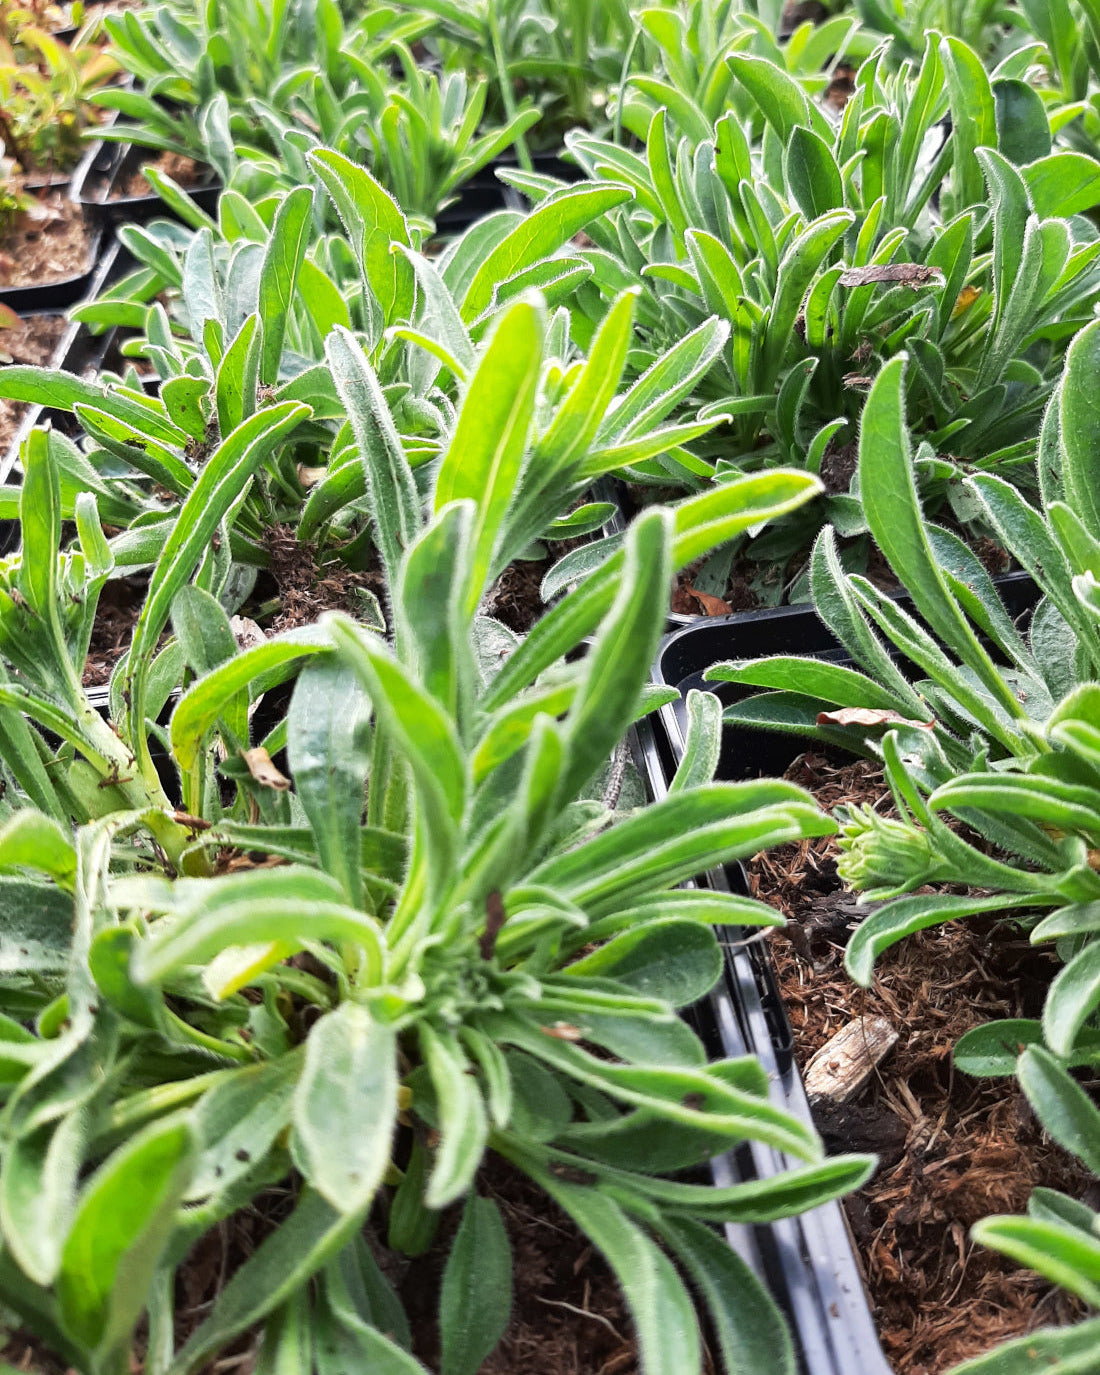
x,y
306,588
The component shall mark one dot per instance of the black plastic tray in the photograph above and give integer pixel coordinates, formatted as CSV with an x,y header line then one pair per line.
x,y
686,653
37,297
485,193
808,1262
77,351
105,164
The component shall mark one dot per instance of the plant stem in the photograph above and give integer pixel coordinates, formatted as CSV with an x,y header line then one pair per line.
x,y
506,93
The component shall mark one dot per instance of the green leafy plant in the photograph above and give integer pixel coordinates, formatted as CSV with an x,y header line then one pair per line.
x,y
460,890
1001,736
564,56
196,72
682,61
825,280
423,141
45,97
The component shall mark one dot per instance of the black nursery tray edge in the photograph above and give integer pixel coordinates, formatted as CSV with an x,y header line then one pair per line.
x,y
101,167
809,1261
77,349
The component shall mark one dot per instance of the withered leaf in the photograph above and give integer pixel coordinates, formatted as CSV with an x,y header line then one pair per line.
x,y
246,632
563,1031
865,716
310,477
712,606
906,274
259,765
495,918
967,296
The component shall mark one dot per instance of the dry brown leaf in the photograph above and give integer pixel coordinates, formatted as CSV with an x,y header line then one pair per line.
x,y
712,606
967,296
865,716
259,765
905,274
246,632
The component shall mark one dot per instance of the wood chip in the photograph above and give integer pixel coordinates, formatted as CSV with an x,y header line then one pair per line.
x,y
246,632
845,1063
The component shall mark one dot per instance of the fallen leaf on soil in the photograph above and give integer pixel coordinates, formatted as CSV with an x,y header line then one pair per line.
x,y
259,765
864,716
712,606
908,274
246,632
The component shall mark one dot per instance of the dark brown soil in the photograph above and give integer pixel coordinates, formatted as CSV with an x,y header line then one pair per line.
x,y
119,607
952,1149
514,597
33,340
48,244
568,1315
186,172
305,589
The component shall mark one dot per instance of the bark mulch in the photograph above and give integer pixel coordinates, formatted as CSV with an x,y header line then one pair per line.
x,y
952,1149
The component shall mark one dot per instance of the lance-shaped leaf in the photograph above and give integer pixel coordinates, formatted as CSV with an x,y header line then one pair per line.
x,y
122,1222
391,487
374,223
463,1121
328,743
536,237
889,495
1080,427
625,646
427,734
279,278
485,455
280,1266
345,1107
220,484
475,1301
289,903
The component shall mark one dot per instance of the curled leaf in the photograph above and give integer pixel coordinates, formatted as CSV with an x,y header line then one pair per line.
x,y
259,765
712,606
906,274
865,716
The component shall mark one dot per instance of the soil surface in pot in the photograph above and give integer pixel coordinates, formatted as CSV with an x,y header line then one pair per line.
x,y
117,613
952,1149
753,586
47,244
568,1315
33,340
186,172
